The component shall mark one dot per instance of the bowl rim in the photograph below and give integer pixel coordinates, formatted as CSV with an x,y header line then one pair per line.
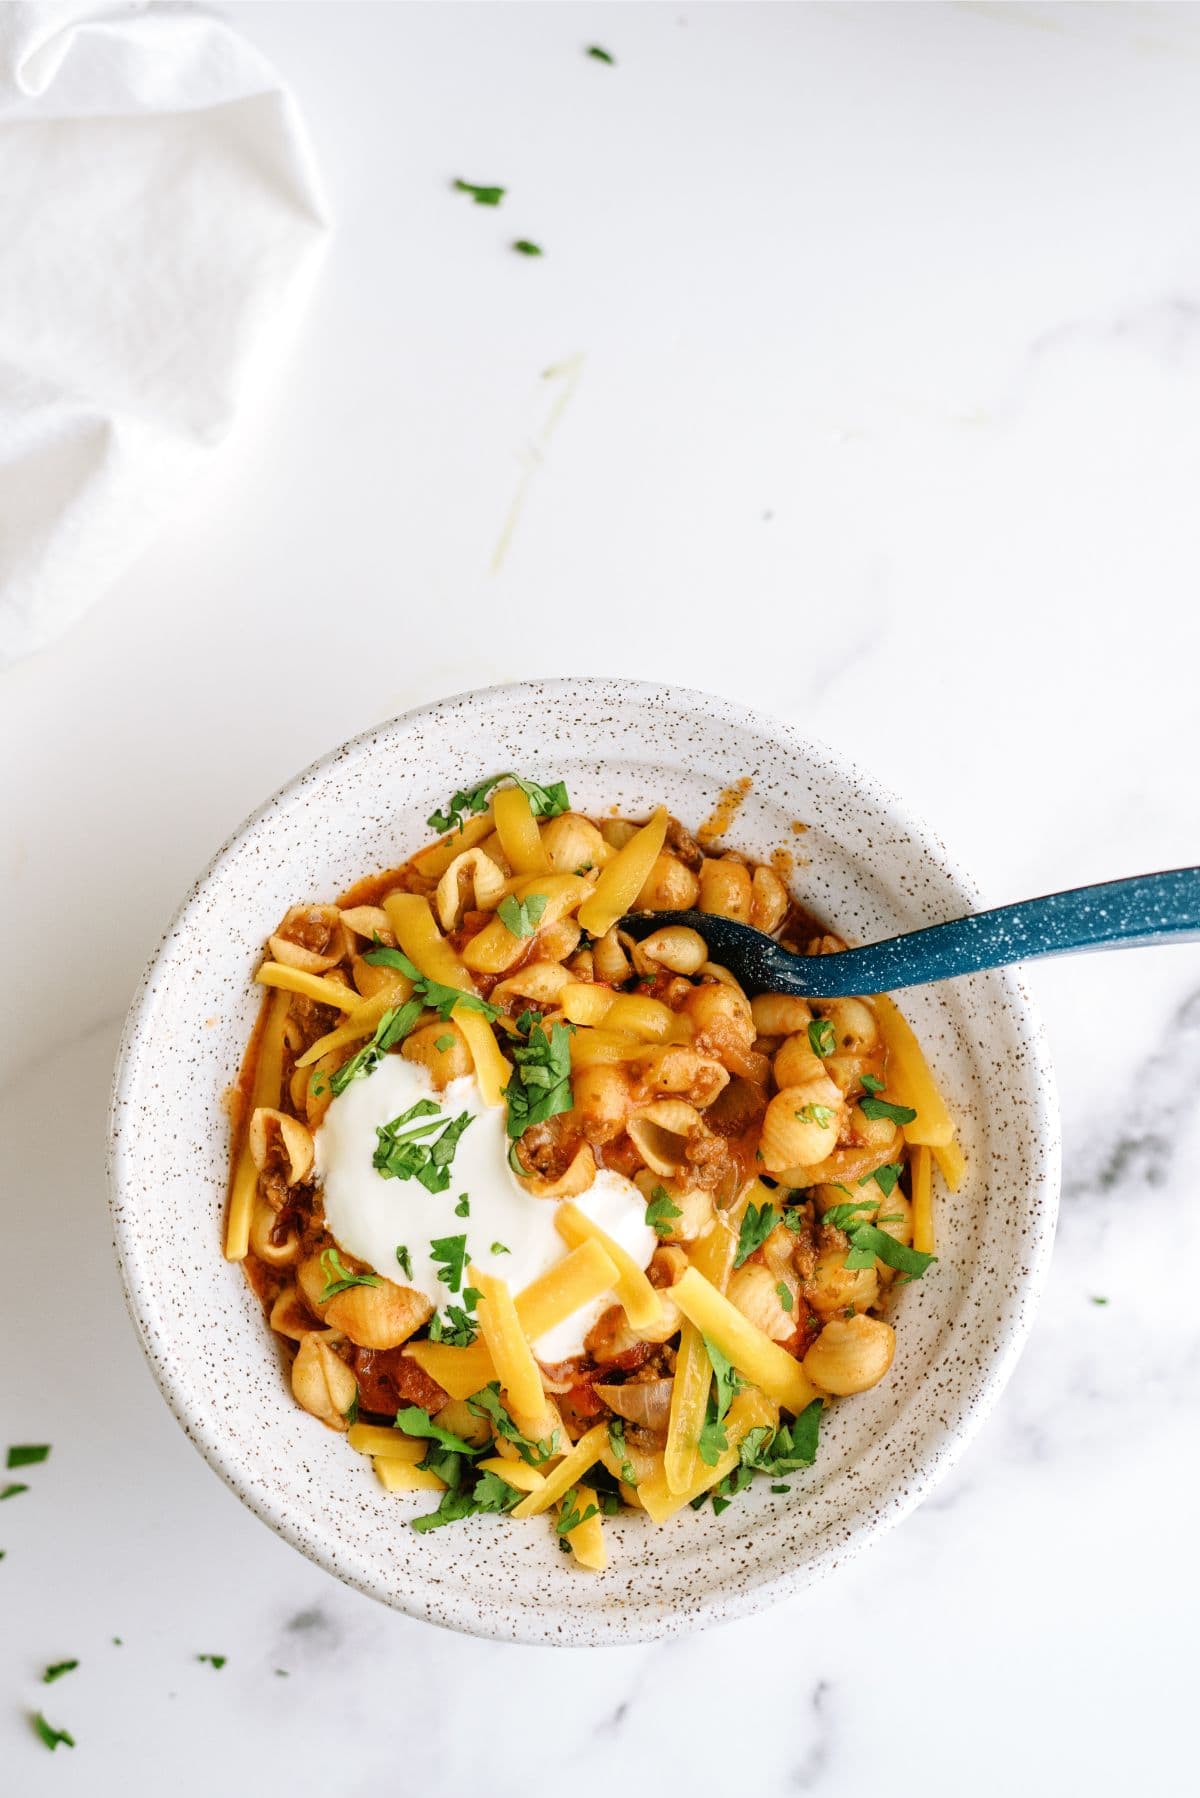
x,y
466,1615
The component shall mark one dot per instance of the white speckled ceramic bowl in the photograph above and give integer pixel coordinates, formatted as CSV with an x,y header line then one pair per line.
x,y
870,871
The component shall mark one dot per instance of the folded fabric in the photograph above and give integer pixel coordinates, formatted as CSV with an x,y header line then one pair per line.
x,y
160,223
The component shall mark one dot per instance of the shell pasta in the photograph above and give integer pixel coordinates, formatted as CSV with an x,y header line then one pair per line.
x,y
554,1223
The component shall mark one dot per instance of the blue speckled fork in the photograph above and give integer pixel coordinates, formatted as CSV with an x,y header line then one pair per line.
x,y
1119,914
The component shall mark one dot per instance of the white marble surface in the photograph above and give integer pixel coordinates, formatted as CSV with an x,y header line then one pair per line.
x,y
884,411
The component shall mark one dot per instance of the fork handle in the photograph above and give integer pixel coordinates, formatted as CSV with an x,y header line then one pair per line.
x,y
1117,914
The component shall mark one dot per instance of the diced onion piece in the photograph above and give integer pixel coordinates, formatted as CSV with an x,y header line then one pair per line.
x,y
751,1350
518,1474
268,1080
749,1411
517,829
507,1344
583,1275
624,877
587,1538
642,1304
922,1200
402,1476
310,986
910,1080
952,1163
569,1471
380,1439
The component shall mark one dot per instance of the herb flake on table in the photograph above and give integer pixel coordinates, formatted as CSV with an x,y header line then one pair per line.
x,y
27,1454
56,1671
482,196
49,1735
524,246
214,1660
12,1489
544,802
599,55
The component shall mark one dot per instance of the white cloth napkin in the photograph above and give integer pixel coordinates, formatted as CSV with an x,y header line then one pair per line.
x,y
160,222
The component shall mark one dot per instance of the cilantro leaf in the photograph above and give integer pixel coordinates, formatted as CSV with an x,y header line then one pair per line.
x,y
544,802
49,1735
214,1660
757,1224
541,1083
451,1251
501,1248
786,1449
416,1422
660,1211
458,1328
444,1043
57,1670
885,1177
713,1441
482,196
400,1155
405,1259
463,1207
427,992
616,1441
486,1403
12,1488
872,1083
521,917
784,1293
822,1037
868,1244
844,1217
600,55
569,1517
395,1024
524,246
338,1276
493,1493
883,1108
27,1454
821,1115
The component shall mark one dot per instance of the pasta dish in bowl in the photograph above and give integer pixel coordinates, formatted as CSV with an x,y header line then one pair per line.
x,y
554,1224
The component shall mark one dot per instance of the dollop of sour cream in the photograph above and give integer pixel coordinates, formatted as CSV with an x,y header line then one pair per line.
x,y
508,1232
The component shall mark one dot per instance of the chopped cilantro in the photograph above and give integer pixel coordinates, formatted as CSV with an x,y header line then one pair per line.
x,y
431,993
27,1454
883,1108
12,1488
616,1441
885,1177
338,1276
444,1043
501,1248
416,1422
463,1207
713,1441
525,247
50,1736
451,1251
779,1488
458,1328
821,1115
541,1083
757,1224
872,1083
351,1411
844,1217
600,55
392,1028
785,1296
57,1670
521,917
822,1037
786,1449
867,1244
1097,1300
214,1660
660,1211
544,802
404,1258
482,196
569,1517
400,1155
486,1403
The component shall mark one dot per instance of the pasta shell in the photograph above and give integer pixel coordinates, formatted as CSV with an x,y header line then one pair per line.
x,y
472,881
310,937
280,1144
578,1177
851,1355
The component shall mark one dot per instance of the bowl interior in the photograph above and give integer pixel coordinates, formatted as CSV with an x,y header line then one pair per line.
x,y
861,865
